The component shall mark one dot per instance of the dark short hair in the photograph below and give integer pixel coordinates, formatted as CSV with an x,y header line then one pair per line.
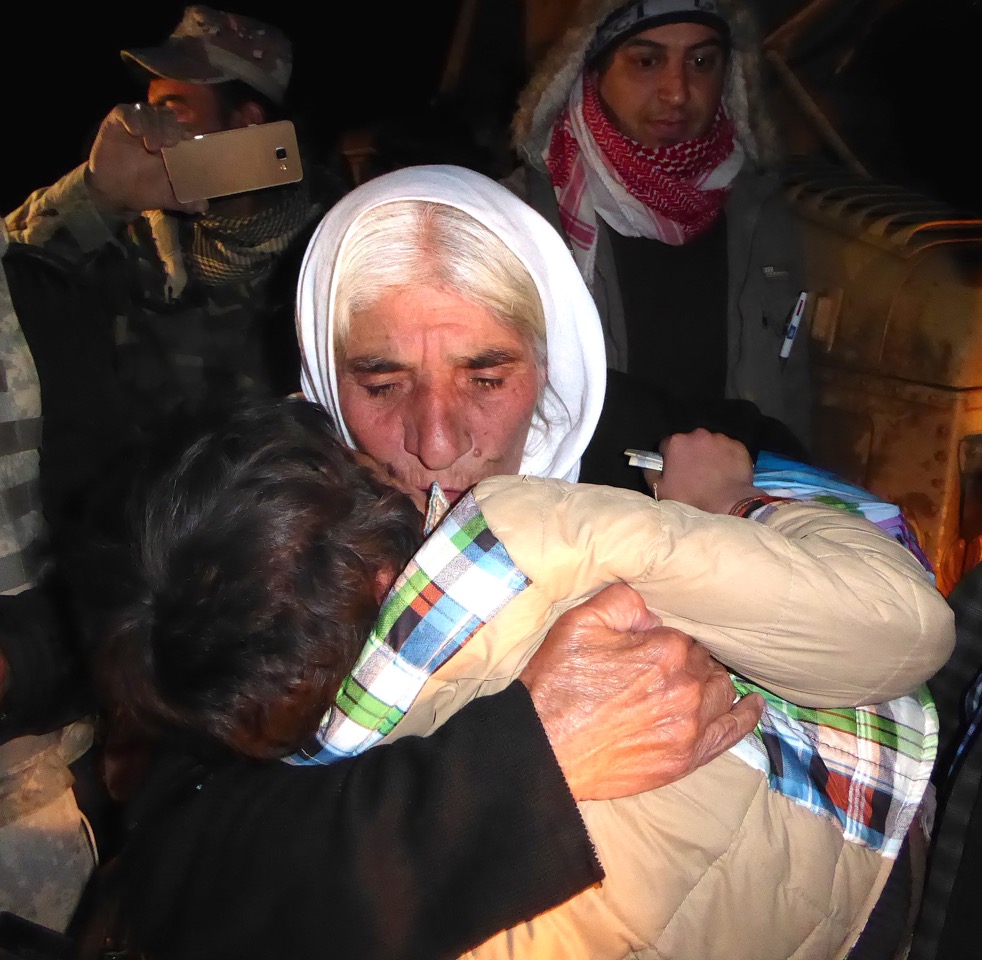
x,y
250,560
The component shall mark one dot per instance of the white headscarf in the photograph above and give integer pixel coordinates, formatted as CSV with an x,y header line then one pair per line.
x,y
577,369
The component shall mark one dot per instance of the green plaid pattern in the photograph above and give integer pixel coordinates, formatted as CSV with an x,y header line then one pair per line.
x,y
458,580
867,767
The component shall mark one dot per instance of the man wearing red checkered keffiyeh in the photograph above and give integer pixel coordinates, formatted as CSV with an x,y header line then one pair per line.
x,y
672,192
644,141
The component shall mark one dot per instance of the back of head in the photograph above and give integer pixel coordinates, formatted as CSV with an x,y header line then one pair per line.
x,y
251,573
216,46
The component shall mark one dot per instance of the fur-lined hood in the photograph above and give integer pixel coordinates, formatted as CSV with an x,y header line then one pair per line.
x,y
544,97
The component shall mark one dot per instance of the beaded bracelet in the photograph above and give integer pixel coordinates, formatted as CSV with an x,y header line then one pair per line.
x,y
749,506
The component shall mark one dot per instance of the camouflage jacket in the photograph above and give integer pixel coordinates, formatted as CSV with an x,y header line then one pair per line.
x,y
21,521
39,823
52,361
208,344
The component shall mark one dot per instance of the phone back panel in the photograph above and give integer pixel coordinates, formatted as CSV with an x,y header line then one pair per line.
x,y
234,161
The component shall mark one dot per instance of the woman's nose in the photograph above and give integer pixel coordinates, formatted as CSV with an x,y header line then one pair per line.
x,y
437,434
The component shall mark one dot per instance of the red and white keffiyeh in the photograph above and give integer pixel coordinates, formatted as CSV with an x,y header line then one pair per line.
x,y
672,194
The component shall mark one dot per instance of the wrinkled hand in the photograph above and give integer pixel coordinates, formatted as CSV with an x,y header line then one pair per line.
x,y
706,470
126,171
629,705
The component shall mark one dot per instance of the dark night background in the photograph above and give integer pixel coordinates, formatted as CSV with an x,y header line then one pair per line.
x,y
906,99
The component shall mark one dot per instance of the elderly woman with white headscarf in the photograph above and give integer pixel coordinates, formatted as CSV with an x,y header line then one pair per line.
x,y
445,327
511,379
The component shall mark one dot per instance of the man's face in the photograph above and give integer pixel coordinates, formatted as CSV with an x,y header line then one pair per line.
x,y
437,389
196,105
663,86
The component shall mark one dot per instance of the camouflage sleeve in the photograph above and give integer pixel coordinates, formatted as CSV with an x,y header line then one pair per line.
x,y
62,218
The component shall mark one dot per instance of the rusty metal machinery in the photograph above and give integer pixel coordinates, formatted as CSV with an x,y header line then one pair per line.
x,y
896,343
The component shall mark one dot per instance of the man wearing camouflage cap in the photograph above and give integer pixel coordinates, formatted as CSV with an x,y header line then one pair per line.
x,y
644,140
201,292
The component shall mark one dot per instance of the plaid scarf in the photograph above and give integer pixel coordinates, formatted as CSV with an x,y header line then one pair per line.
x,y
232,249
867,767
458,580
224,250
672,194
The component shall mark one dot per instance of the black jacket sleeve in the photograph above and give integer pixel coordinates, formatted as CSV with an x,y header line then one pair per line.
x,y
637,413
421,848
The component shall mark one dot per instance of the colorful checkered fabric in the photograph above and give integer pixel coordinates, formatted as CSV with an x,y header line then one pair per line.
x,y
782,477
868,767
459,579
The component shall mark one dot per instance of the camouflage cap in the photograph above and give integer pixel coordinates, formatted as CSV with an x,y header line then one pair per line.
x,y
212,46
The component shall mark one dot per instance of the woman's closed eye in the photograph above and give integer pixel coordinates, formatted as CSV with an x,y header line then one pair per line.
x,y
488,383
379,389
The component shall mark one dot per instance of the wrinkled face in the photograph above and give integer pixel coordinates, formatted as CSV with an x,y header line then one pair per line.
x,y
437,389
663,86
197,105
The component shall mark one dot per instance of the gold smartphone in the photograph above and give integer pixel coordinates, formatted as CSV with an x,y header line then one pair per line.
x,y
234,161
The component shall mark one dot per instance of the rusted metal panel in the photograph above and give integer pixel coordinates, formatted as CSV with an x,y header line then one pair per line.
x,y
897,350
907,443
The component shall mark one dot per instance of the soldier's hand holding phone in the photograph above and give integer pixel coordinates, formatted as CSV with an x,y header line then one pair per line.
x,y
126,171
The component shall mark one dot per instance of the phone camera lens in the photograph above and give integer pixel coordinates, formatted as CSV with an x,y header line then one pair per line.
x,y
281,153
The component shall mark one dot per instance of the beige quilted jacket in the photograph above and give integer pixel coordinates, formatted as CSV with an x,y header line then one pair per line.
x,y
818,605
